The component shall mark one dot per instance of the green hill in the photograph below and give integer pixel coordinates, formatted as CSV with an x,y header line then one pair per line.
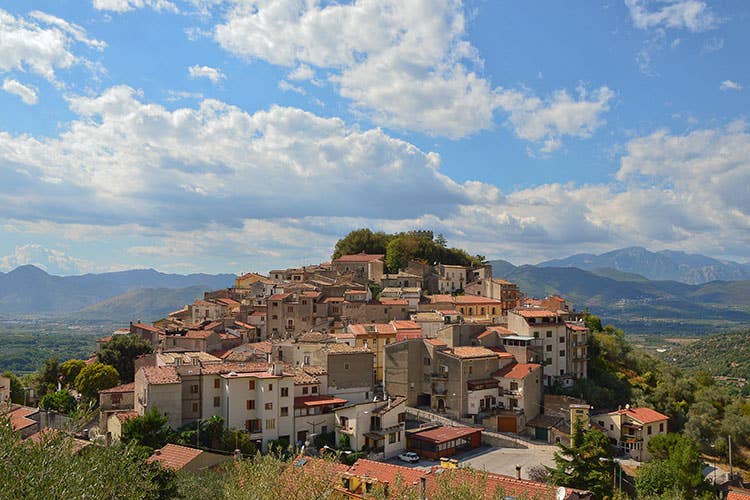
x,y
147,305
727,355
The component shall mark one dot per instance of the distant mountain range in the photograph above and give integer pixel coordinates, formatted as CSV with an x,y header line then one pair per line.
x,y
29,290
688,268
635,303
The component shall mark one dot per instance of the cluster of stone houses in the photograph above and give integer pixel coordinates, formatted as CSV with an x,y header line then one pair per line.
x,y
344,347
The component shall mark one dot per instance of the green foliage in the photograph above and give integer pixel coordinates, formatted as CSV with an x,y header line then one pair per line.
x,y
675,467
94,378
726,354
50,469
400,248
586,463
121,352
234,439
344,442
362,240
48,376
16,387
70,370
593,323
149,430
60,401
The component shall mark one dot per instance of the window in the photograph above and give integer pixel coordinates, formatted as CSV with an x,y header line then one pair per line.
x,y
305,390
562,340
304,302
217,383
661,427
346,366
562,353
217,401
314,389
536,335
514,386
471,369
270,423
269,406
344,422
549,335
611,427
251,385
648,430
194,389
250,404
253,425
548,361
549,348
195,407
391,438
273,316
270,387
427,361
290,309
285,392
284,412
562,372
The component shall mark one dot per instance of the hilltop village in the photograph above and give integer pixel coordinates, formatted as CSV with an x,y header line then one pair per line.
x,y
433,360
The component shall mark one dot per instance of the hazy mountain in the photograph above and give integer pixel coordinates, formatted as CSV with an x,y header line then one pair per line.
x,y
145,304
664,265
633,301
30,290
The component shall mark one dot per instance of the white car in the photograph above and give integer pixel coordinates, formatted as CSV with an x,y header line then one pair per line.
x,y
409,456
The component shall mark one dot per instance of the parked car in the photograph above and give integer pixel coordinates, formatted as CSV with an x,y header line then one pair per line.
x,y
409,456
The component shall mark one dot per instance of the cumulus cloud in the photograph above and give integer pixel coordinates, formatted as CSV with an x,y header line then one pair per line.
x,y
121,6
729,85
692,15
213,74
27,94
41,44
51,260
407,65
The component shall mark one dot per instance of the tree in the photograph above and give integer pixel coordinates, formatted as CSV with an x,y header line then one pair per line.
x,y
16,387
586,463
675,466
121,352
60,401
149,430
362,240
48,377
94,378
70,370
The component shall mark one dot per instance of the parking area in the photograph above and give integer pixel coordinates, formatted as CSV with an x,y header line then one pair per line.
x,y
496,459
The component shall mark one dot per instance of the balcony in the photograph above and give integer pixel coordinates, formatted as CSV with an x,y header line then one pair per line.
x,y
440,375
437,391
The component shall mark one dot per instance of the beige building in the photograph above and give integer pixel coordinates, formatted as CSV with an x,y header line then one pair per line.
x,y
470,307
362,265
4,390
631,429
210,310
495,288
377,426
564,343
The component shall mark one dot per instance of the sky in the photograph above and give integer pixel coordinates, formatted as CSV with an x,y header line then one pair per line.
x,y
230,136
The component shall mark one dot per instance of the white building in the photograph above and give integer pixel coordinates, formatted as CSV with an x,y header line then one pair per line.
x,y
377,426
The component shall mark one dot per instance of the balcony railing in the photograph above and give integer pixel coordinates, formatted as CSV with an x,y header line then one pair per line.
x,y
442,375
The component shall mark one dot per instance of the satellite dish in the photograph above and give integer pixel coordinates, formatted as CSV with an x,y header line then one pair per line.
x,y
560,493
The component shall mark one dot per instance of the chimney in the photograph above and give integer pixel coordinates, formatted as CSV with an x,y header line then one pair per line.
x,y
518,471
422,488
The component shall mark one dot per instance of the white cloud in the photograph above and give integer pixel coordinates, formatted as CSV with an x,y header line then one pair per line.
x,y
213,74
51,260
41,44
27,94
121,6
286,86
692,15
407,65
729,85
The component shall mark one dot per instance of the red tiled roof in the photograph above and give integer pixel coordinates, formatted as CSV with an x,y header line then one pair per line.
x,y
359,257
386,473
468,352
443,433
517,370
279,296
50,433
738,493
144,326
229,302
104,340
122,416
119,389
435,342
159,375
576,327
19,417
174,456
500,353
535,313
406,325
380,329
219,368
644,415
198,334
319,400
393,302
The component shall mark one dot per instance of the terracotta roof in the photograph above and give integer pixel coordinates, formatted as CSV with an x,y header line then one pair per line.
x,y
144,326
220,368
509,486
19,417
576,327
500,330
104,339
468,352
258,313
386,473
50,433
500,353
405,325
319,400
279,296
122,416
229,302
535,313
198,334
341,348
643,414
367,329
517,370
738,493
443,433
393,302
264,346
360,257
159,375
119,389
329,300
174,456
301,377
435,342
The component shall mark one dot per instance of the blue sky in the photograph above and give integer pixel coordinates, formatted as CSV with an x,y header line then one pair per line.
x,y
211,135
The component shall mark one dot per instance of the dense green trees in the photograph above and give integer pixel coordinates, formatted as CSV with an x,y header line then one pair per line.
x,y
149,430
60,401
400,248
16,387
586,463
121,352
70,370
48,377
94,378
675,468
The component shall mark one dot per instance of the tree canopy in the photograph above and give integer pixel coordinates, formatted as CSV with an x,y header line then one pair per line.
x,y
121,352
60,401
94,378
675,467
70,370
149,430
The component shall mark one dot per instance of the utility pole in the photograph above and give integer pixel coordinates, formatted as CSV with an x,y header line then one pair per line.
x,y
731,471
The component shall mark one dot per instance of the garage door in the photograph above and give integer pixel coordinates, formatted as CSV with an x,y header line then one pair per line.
x,y
506,424
542,434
